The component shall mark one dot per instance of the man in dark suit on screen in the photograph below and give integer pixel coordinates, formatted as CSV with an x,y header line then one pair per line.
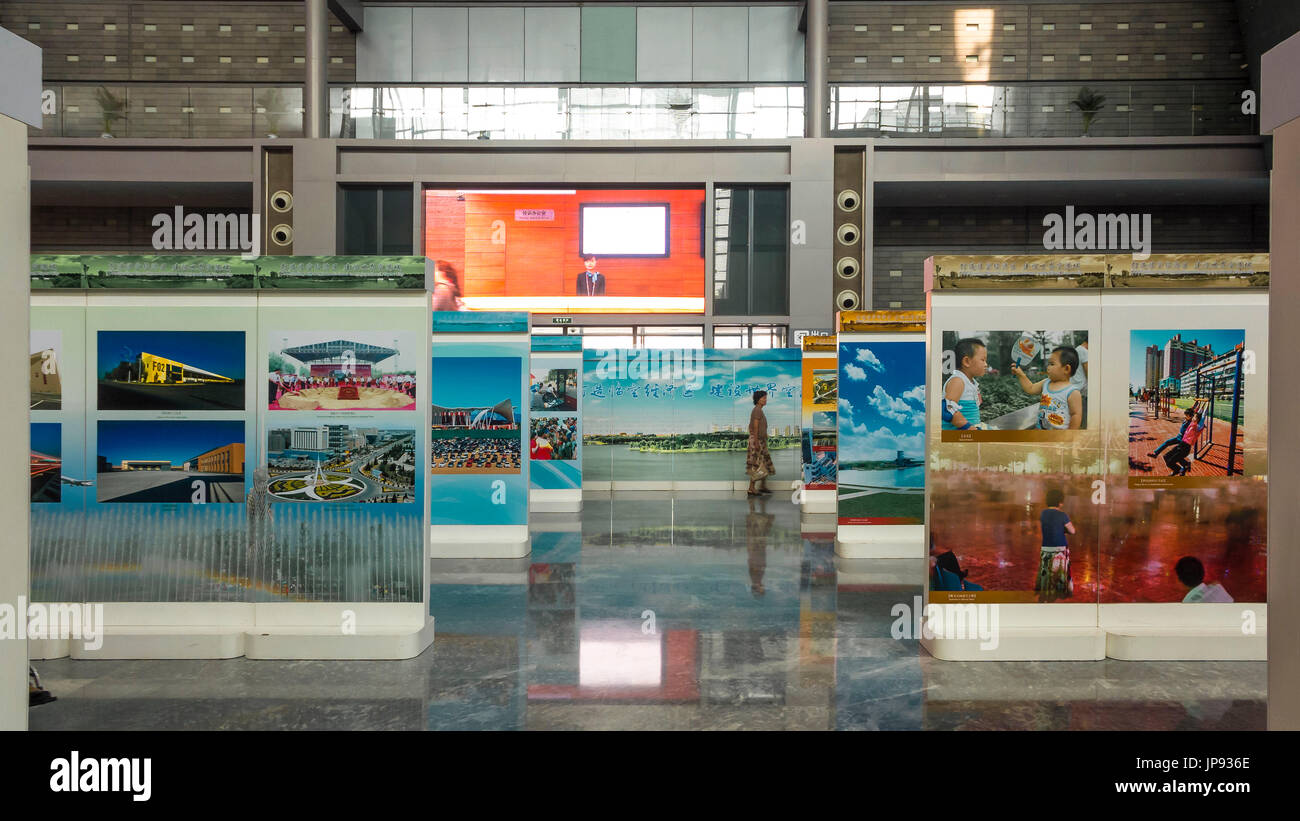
x,y
591,282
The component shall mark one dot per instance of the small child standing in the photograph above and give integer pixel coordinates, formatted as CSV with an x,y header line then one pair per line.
x,y
1061,404
1054,580
961,394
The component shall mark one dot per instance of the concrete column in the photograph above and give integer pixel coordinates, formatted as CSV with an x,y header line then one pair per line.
x,y
1280,113
20,106
316,90
815,53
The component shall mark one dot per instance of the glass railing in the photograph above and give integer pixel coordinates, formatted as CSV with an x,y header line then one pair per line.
x,y
1150,109
173,111
566,113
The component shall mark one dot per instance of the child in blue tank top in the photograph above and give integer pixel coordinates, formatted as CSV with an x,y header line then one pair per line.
x,y
1060,405
961,394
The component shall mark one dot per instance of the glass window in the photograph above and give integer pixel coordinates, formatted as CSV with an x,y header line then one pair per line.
x,y
376,220
750,250
750,336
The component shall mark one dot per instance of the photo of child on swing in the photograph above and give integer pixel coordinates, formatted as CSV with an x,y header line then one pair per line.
x,y
1186,406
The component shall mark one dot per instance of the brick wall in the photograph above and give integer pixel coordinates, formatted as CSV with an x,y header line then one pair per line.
x,y
882,42
183,42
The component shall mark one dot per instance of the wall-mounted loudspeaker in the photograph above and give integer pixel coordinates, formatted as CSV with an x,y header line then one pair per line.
x,y
851,213
277,201
281,201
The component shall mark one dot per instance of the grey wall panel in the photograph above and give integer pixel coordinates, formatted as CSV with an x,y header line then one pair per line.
x,y
384,48
440,45
775,45
663,44
496,45
552,40
720,44
608,44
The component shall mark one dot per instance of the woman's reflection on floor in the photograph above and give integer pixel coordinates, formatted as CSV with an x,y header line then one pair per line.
x,y
758,524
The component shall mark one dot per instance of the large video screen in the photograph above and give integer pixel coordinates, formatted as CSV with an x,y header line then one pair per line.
x,y
565,251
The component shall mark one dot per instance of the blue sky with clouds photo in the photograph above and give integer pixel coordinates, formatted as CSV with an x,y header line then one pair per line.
x,y
882,400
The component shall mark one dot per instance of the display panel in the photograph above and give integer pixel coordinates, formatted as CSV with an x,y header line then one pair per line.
x,y
819,400
554,421
881,421
566,251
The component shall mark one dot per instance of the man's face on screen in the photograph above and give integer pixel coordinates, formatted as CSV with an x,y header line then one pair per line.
x,y
590,262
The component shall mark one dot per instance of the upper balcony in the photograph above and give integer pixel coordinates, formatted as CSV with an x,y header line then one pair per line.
x,y
1156,108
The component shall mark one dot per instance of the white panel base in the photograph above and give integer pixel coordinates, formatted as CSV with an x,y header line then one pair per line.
x,y
1184,632
819,501
557,500
164,642
170,630
328,642
880,541
1025,632
282,630
1024,644
478,541
38,649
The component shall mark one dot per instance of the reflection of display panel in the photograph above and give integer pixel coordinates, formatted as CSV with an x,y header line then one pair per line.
x,y
624,230
522,249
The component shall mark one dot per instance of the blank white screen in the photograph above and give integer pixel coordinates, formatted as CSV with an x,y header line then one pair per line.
x,y
620,230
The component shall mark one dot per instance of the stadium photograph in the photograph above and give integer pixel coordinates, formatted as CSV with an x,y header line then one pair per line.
x,y
341,463
171,370
341,370
173,461
46,387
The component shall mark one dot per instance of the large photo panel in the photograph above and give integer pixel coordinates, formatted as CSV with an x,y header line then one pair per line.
x,y
1187,414
1011,493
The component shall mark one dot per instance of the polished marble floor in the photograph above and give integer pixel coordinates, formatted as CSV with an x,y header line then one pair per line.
x,y
703,611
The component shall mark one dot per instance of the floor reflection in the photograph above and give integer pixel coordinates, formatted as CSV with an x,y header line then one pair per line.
x,y
704,611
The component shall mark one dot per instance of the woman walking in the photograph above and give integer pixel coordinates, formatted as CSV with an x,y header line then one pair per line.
x,y
758,462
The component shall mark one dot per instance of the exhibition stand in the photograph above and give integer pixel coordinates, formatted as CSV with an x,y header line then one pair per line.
x,y
881,481
1097,454
479,466
678,420
818,398
237,453
555,425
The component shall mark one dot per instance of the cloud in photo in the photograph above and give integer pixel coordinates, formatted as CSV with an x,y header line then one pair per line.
x,y
855,373
916,395
869,359
893,408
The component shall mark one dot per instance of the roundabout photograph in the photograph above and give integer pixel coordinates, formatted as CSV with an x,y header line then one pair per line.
x,y
341,463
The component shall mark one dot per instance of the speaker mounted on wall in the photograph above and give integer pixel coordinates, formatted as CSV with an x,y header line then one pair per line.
x,y
850,228
277,201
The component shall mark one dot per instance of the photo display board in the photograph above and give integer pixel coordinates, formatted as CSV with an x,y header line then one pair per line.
x,y
819,404
164,425
555,413
881,418
479,465
683,415
1139,476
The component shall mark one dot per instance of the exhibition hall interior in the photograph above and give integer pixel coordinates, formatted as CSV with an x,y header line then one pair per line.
x,y
545,365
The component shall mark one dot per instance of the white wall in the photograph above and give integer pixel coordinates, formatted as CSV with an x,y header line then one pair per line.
x,y
15,234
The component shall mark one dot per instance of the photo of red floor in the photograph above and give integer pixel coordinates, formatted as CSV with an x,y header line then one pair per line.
x,y
1147,430
1147,531
990,520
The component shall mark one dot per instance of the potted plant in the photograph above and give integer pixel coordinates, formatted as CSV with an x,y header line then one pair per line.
x,y
1090,105
111,109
